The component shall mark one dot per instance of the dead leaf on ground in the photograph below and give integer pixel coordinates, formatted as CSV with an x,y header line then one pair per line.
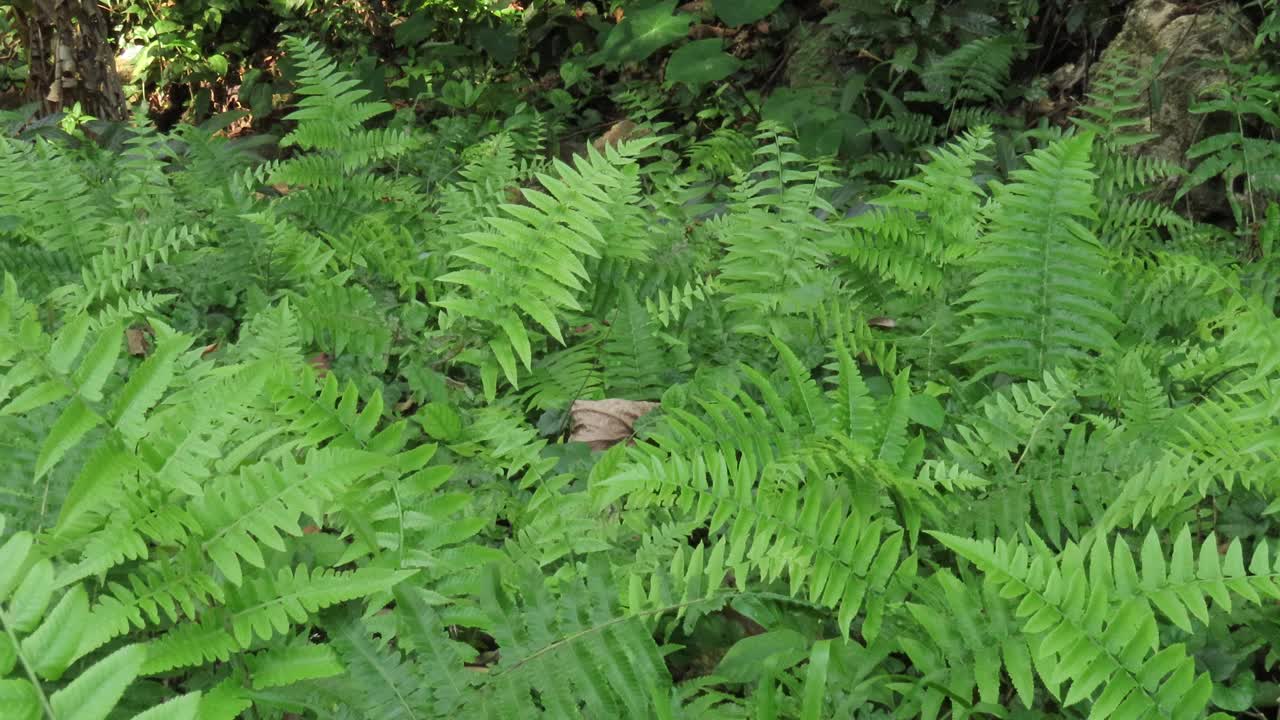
x,y
136,339
621,131
701,31
321,363
604,423
881,321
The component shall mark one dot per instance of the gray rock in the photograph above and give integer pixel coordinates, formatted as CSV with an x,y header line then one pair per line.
x,y
1189,41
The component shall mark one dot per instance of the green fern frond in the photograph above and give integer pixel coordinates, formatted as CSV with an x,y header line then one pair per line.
x,y
559,649
1084,630
333,103
1270,27
114,270
262,609
1041,298
830,556
911,234
532,262
975,71
668,307
44,642
634,364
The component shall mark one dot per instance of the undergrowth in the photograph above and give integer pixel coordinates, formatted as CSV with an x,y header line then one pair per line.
x,y
298,437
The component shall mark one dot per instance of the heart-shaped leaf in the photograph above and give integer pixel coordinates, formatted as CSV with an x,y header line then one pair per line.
x,y
701,62
643,32
741,12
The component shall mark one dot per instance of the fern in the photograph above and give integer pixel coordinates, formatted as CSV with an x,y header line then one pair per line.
x,y
1041,298
1235,155
43,642
1270,26
1086,630
531,263
977,70
913,233
287,438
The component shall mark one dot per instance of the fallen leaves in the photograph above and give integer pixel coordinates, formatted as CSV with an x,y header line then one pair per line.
x,y
136,339
604,423
621,131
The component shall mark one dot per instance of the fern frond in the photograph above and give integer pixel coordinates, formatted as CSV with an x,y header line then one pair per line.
x,y
911,234
1041,298
975,71
1085,630
668,307
560,649
531,263
263,608
332,105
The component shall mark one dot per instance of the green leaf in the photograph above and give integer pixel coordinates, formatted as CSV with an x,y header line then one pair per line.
x,y
501,43
815,680
701,62
746,660
19,700
31,598
280,666
643,32
8,655
76,420
13,556
502,353
224,701
34,397
183,707
68,343
441,421
93,694
97,364
741,12
415,29
53,645
926,410
148,382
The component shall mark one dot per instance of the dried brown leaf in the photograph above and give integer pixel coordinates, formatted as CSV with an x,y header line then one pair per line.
x,y
604,423
136,340
621,131
881,321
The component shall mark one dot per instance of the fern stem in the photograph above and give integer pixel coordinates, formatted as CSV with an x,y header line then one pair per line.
x,y
1248,174
26,667
636,616
602,627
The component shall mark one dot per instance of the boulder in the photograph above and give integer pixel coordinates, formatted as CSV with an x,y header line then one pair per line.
x,y
1186,42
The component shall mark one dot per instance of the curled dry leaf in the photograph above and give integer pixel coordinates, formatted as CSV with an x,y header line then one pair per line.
x,y
881,321
321,363
136,339
621,131
604,423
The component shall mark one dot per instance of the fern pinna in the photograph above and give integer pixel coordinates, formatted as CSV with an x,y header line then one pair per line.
x,y
979,444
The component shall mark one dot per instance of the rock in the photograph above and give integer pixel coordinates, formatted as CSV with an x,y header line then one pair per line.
x,y
1153,27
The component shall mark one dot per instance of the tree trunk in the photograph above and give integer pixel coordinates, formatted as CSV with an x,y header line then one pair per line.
x,y
72,57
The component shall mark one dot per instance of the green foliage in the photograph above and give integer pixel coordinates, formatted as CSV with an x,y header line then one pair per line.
x,y
642,32
701,62
741,13
297,437
1040,297
1238,156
